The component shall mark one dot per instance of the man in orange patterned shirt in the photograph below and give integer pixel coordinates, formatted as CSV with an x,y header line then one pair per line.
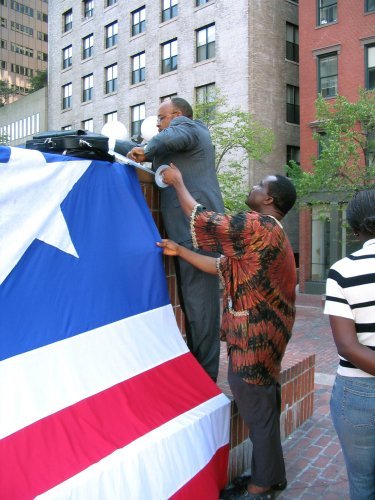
x,y
258,273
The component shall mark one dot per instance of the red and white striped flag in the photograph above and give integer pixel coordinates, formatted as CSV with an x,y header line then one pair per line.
x,y
100,398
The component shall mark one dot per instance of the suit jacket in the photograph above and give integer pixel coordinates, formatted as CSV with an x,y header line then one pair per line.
x,y
186,143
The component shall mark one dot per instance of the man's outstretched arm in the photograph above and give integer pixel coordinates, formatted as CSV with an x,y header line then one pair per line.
x,y
202,262
172,176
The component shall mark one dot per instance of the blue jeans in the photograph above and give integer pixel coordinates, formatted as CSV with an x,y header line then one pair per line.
x,y
353,414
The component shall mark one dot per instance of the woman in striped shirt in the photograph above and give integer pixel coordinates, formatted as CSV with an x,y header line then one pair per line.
x,y
350,303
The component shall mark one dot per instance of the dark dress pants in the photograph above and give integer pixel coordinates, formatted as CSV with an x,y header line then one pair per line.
x,y
200,301
260,407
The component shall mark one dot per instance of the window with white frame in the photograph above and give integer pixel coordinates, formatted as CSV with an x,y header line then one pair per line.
x,y
88,8
138,20
138,64
169,56
205,97
205,40
169,9
137,114
87,87
110,117
67,20
167,97
111,78
327,75
67,54
67,92
111,34
87,46
88,125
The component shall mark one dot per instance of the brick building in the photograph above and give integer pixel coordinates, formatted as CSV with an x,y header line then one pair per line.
x,y
337,56
118,59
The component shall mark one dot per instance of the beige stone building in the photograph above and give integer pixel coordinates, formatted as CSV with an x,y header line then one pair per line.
x,y
23,43
113,59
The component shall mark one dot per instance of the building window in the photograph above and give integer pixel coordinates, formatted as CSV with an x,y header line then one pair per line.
x,y
88,8
138,63
169,56
42,56
67,96
111,78
67,20
66,127
42,17
370,5
167,97
292,104
292,42
169,9
137,116
139,21
111,34
42,36
108,3
67,57
110,117
87,46
87,87
293,153
205,95
200,2
370,67
205,40
88,125
22,9
328,75
327,12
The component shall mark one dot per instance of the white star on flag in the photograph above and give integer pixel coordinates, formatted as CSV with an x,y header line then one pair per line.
x,y
31,193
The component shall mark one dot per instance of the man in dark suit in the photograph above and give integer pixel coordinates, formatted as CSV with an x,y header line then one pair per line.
x,y
187,143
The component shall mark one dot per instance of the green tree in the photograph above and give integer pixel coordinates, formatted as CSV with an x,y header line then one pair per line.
x,y
346,138
38,81
235,134
6,91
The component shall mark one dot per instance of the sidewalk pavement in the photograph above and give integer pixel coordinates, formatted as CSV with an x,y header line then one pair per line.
x,y
314,463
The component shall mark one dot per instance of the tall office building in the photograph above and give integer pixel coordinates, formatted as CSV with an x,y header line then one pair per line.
x,y
337,54
113,59
23,43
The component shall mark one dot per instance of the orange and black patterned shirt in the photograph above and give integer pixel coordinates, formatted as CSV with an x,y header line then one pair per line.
x,y
258,273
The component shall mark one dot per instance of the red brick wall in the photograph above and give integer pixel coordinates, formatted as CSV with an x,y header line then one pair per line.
x,y
353,25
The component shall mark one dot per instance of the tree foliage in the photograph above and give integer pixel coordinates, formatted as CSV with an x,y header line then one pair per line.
x,y
38,81
237,137
6,91
346,138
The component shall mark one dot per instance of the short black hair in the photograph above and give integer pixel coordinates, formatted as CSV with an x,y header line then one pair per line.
x,y
361,212
283,193
182,106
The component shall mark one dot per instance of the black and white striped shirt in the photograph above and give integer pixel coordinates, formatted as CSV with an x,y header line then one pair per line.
x,y
350,293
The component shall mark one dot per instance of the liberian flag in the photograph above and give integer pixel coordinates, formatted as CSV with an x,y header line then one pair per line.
x,y
99,395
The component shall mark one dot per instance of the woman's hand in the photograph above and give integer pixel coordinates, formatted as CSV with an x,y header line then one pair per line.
x,y
169,247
